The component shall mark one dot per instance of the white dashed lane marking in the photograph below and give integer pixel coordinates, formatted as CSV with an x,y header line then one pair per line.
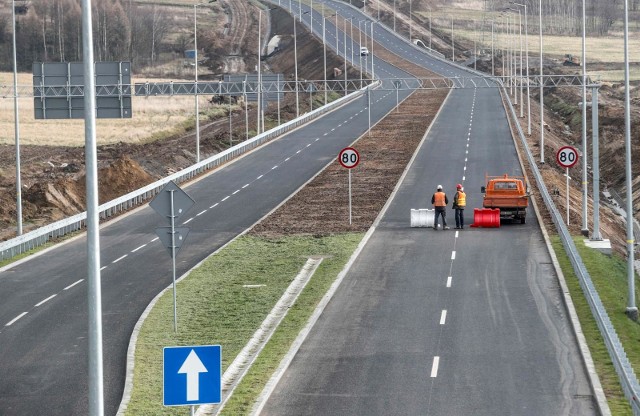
x,y
443,317
73,284
449,279
45,300
225,198
119,258
136,249
200,213
434,367
13,321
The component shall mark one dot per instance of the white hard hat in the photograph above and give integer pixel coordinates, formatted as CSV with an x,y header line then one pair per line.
x,y
439,187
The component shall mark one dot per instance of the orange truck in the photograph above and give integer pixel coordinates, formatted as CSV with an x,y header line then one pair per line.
x,y
507,193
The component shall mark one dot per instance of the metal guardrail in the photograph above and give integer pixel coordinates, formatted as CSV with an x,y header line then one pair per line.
x,y
38,237
626,374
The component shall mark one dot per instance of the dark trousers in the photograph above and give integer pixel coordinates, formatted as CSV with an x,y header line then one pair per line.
x,y
440,211
459,214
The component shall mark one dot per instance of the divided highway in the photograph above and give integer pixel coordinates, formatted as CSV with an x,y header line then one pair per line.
x,y
43,300
504,345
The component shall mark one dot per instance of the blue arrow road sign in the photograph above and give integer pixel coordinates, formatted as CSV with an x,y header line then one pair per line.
x,y
192,375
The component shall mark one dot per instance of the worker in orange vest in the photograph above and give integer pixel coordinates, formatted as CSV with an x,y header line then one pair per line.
x,y
459,202
440,201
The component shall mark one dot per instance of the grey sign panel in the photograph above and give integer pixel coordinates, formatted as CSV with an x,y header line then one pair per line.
x,y
181,201
58,90
164,233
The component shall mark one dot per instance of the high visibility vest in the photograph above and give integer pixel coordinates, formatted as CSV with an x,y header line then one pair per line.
x,y
438,199
462,199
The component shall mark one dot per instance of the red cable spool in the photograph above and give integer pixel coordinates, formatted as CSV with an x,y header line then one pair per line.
x,y
486,217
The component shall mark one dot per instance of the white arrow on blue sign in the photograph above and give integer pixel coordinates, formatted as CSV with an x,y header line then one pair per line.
x,y
192,375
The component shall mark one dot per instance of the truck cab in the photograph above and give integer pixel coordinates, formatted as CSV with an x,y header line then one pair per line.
x,y
508,193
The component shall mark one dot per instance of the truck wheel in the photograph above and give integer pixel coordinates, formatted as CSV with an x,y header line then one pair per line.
x,y
522,220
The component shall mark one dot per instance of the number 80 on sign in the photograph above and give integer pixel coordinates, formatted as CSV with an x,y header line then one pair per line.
x,y
567,156
349,157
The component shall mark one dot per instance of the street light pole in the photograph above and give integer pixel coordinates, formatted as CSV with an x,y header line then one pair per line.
x,y
324,51
16,116
453,46
259,107
430,32
493,72
295,58
195,46
394,15
632,309
410,21
526,42
585,179
541,88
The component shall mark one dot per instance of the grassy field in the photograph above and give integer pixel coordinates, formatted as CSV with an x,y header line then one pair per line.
x,y
609,277
215,308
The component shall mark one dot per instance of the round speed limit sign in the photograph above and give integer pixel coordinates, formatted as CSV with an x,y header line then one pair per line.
x,y
567,156
349,157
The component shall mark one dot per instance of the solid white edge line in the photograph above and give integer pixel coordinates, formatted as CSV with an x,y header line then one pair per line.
x,y
434,367
13,321
119,258
136,249
73,284
443,317
45,300
449,279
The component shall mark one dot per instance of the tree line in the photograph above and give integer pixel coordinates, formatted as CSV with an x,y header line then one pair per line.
x,y
51,31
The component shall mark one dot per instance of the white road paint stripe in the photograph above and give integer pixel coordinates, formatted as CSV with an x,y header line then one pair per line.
x,y
225,198
45,300
275,167
245,186
200,213
449,279
136,249
287,159
326,134
73,284
235,192
309,145
434,367
155,239
102,268
453,255
214,205
464,178
119,258
465,168
259,177
15,319
318,139
188,221
443,317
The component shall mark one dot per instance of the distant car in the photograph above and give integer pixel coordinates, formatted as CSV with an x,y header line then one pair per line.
x,y
364,51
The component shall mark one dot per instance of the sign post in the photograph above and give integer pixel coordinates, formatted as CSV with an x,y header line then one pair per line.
x,y
567,157
349,158
172,203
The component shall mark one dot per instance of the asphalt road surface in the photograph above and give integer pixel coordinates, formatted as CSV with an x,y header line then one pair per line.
x,y
447,322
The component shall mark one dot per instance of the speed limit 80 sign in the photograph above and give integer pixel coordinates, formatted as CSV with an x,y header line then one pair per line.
x,y
349,157
567,156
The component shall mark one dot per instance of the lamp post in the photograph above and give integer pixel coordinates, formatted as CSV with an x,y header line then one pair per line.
x,y
493,72
17,124
344,43
195,47
453,47
410,21
295,58
360,54
430,32
541,88
632,309
394,15
520,39
585,180
526,42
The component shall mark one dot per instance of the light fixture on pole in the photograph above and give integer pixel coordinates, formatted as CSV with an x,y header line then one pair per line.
x,y
541,88
195,47
526,42
585,178
16,116
632,309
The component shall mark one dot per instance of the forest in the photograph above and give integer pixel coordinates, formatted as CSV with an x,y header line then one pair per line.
x,y
51,30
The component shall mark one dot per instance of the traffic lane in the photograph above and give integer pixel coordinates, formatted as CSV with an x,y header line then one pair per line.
x,y
508,346
370,351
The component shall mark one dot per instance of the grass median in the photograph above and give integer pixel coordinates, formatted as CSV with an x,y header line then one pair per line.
x,y
609,275
225,300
